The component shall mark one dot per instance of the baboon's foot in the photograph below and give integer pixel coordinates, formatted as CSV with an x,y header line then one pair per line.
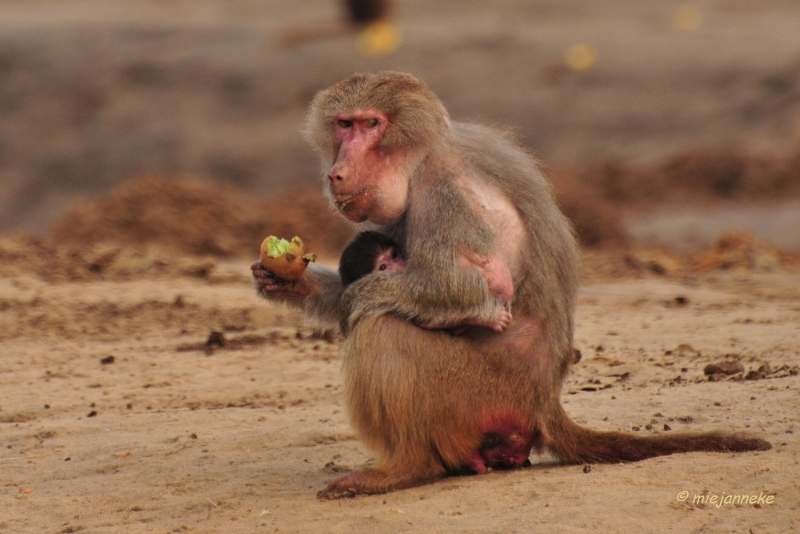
x,y
349,485
370,482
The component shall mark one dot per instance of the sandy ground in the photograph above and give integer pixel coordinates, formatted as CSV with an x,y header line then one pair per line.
x,y
116,417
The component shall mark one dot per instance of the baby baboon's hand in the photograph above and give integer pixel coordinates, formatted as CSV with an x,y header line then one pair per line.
x,y
501,321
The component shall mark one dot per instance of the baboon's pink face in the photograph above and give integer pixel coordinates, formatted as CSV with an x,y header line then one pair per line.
x,y
366,182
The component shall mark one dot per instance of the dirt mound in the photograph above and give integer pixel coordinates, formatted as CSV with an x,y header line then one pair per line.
x,y
200,219
195,218
694,176
598,223
22,255
735,251
741,251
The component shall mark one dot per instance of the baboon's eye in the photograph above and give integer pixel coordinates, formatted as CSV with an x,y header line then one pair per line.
x,y
372,123
344,123
382,267
395,255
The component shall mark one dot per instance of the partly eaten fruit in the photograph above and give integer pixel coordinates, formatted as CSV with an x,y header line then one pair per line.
x,y
284,259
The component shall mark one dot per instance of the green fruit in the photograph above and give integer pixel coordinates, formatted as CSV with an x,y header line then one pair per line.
x,y
285,259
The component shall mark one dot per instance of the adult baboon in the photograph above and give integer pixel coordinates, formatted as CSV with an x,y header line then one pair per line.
x,y
432,403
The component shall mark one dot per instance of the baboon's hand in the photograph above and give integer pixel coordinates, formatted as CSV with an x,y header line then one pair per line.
x,y
270,285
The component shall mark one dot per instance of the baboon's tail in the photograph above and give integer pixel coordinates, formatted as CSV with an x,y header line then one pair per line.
x,y
575,444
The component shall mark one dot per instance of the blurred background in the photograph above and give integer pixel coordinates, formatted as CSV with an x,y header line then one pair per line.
x,y
177,122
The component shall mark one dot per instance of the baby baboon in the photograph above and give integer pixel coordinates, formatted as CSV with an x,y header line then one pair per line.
x,y
372,251
367,253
